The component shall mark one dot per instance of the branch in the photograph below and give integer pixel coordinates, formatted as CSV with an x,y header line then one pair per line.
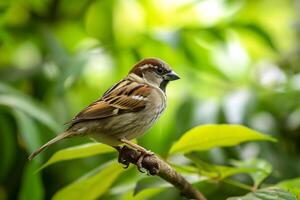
x,y
157,166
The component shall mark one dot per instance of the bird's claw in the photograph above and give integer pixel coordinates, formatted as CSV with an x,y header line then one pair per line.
x,y
124,162
139,162
123,156
121,159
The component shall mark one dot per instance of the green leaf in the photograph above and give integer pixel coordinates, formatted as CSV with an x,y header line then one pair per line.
x,y
14,99
30,108
259,175
80,151
148,182
31,187
185,169
28,130
292,185
145,194
7,146
206,137
92,185
266,194
148,193
219,172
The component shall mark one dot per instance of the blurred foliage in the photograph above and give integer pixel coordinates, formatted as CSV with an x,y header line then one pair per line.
x,y
239,61
266,194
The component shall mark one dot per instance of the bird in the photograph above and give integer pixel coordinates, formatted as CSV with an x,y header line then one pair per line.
x,y
126,110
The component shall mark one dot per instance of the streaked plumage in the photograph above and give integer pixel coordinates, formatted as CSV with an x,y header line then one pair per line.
x,y
125,111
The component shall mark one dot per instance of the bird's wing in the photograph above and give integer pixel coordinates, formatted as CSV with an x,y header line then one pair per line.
x,y
125,96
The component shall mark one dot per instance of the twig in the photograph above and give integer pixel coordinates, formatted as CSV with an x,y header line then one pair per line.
x,y
157,166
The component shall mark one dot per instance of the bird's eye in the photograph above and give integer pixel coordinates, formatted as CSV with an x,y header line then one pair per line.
x,y
159,70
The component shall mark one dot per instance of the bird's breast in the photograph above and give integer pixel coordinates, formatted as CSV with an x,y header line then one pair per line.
x,y
155,107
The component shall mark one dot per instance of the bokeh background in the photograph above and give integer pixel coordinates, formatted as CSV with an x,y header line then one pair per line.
x,y
239,62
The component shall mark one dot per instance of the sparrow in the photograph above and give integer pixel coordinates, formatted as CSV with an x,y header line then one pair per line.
x,y
126,110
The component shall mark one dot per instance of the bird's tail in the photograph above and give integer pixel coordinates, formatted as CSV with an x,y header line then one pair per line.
x,y
54,140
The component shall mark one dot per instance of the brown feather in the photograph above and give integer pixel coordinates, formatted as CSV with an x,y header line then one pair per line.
x,y
119,99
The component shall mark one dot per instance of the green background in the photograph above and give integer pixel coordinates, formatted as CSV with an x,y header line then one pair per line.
x,y
239,63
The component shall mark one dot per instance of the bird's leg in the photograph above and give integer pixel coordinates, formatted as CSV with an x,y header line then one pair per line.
x,y
143,151
120,158
135,146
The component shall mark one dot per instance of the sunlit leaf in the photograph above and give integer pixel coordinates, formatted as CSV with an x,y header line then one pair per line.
x,y
266,194
81,151
292,185
92,185
259,175
31,187
206,137
219,172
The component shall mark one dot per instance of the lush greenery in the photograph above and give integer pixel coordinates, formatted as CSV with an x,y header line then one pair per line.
x,y
239,64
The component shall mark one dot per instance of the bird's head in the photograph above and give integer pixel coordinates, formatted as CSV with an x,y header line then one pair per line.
x,y
155,72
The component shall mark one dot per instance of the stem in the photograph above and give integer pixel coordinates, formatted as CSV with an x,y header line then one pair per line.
x,y
238,184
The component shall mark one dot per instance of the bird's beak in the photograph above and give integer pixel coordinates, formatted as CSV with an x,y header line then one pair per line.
x,y
171,76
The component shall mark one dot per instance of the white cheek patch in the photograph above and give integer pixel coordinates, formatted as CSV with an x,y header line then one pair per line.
x,y
138,97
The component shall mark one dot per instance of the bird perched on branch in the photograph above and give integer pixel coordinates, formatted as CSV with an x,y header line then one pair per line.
x,y
126,110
